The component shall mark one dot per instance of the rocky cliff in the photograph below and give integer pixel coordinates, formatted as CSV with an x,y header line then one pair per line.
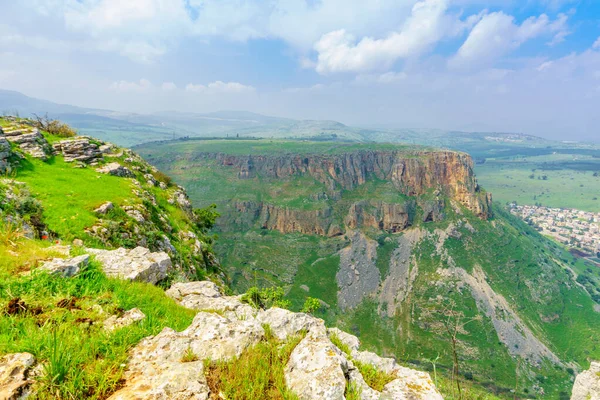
x,y
412,173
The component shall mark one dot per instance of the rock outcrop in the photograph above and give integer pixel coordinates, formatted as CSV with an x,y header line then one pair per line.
x,y
139,264
129,317
66,267
116,169
15,370
29,140
587,384
79,149
169,365
412,173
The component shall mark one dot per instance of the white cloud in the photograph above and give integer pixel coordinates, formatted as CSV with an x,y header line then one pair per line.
x,y
168,86
596,44
496,34
428,24
143,85
219,87
544,66
386,78
314,88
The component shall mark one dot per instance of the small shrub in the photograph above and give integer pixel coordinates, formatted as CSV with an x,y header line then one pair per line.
x,y
266,298
162,177
311,305
353,392
54,127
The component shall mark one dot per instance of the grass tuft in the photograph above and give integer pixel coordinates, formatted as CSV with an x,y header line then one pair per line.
x,y
257,374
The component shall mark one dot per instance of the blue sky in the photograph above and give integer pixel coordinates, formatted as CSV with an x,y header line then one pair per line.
x,y
528,66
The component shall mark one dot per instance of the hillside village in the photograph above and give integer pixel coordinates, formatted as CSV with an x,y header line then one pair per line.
x,y
574,228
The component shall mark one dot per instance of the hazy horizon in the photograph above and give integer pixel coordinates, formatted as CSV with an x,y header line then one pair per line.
x,y
471,65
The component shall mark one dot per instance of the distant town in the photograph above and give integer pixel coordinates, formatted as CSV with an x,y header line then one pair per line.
x,y
576,229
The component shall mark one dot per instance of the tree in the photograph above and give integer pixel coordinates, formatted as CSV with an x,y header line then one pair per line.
x,y
205,218
454,323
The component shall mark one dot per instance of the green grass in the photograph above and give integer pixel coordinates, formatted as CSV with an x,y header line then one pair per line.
x,y
265,147
80,359
373,377
570,182
257,374
69,195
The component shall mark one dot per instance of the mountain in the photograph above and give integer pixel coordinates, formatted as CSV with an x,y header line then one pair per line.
x,y
404,249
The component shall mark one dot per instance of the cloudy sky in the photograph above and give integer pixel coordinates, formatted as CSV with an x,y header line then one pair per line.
x,y
528,66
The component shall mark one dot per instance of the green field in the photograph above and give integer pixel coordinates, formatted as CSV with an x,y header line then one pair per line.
x,y
558,180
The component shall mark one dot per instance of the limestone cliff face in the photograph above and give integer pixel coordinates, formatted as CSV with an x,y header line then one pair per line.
x,y
413,173
425,180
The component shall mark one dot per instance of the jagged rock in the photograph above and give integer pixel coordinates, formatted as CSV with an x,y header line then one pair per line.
x,y
180,197
205,295
4,153
66,267
128,318
14,376
135,214
409,383
106,148
284,323
29,139
587,384
79,149
104,208
157,369
116,169
316,368
162,185
138,264
150,180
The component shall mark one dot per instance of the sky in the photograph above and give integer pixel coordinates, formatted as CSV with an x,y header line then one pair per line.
x,y
529,66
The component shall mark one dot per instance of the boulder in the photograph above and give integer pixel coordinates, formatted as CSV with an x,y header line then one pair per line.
x,y
205,295
14,376
284,323
316,368
157,367
129,317
78,149
66,267
587,384
4,154
116,169
104,208
139,264
411,384
356,379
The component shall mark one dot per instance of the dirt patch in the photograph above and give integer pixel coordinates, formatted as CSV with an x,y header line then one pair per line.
x,y
69,304
17,306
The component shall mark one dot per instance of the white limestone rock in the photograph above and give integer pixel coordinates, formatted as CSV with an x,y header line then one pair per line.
x,y
285,323
205,295
66,267
116,169
156,369
129,317
79,149
316,368
15,382
587,384
104,208
139,264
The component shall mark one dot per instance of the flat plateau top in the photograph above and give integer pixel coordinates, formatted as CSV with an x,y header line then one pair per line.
x,y
271,147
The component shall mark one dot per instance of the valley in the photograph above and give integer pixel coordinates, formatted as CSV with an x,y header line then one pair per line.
x,y
396,241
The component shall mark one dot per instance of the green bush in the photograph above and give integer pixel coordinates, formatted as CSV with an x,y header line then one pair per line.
x,y
266,298
311,305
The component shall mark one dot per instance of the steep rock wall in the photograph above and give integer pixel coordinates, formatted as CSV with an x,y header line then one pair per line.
x,y
412,173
